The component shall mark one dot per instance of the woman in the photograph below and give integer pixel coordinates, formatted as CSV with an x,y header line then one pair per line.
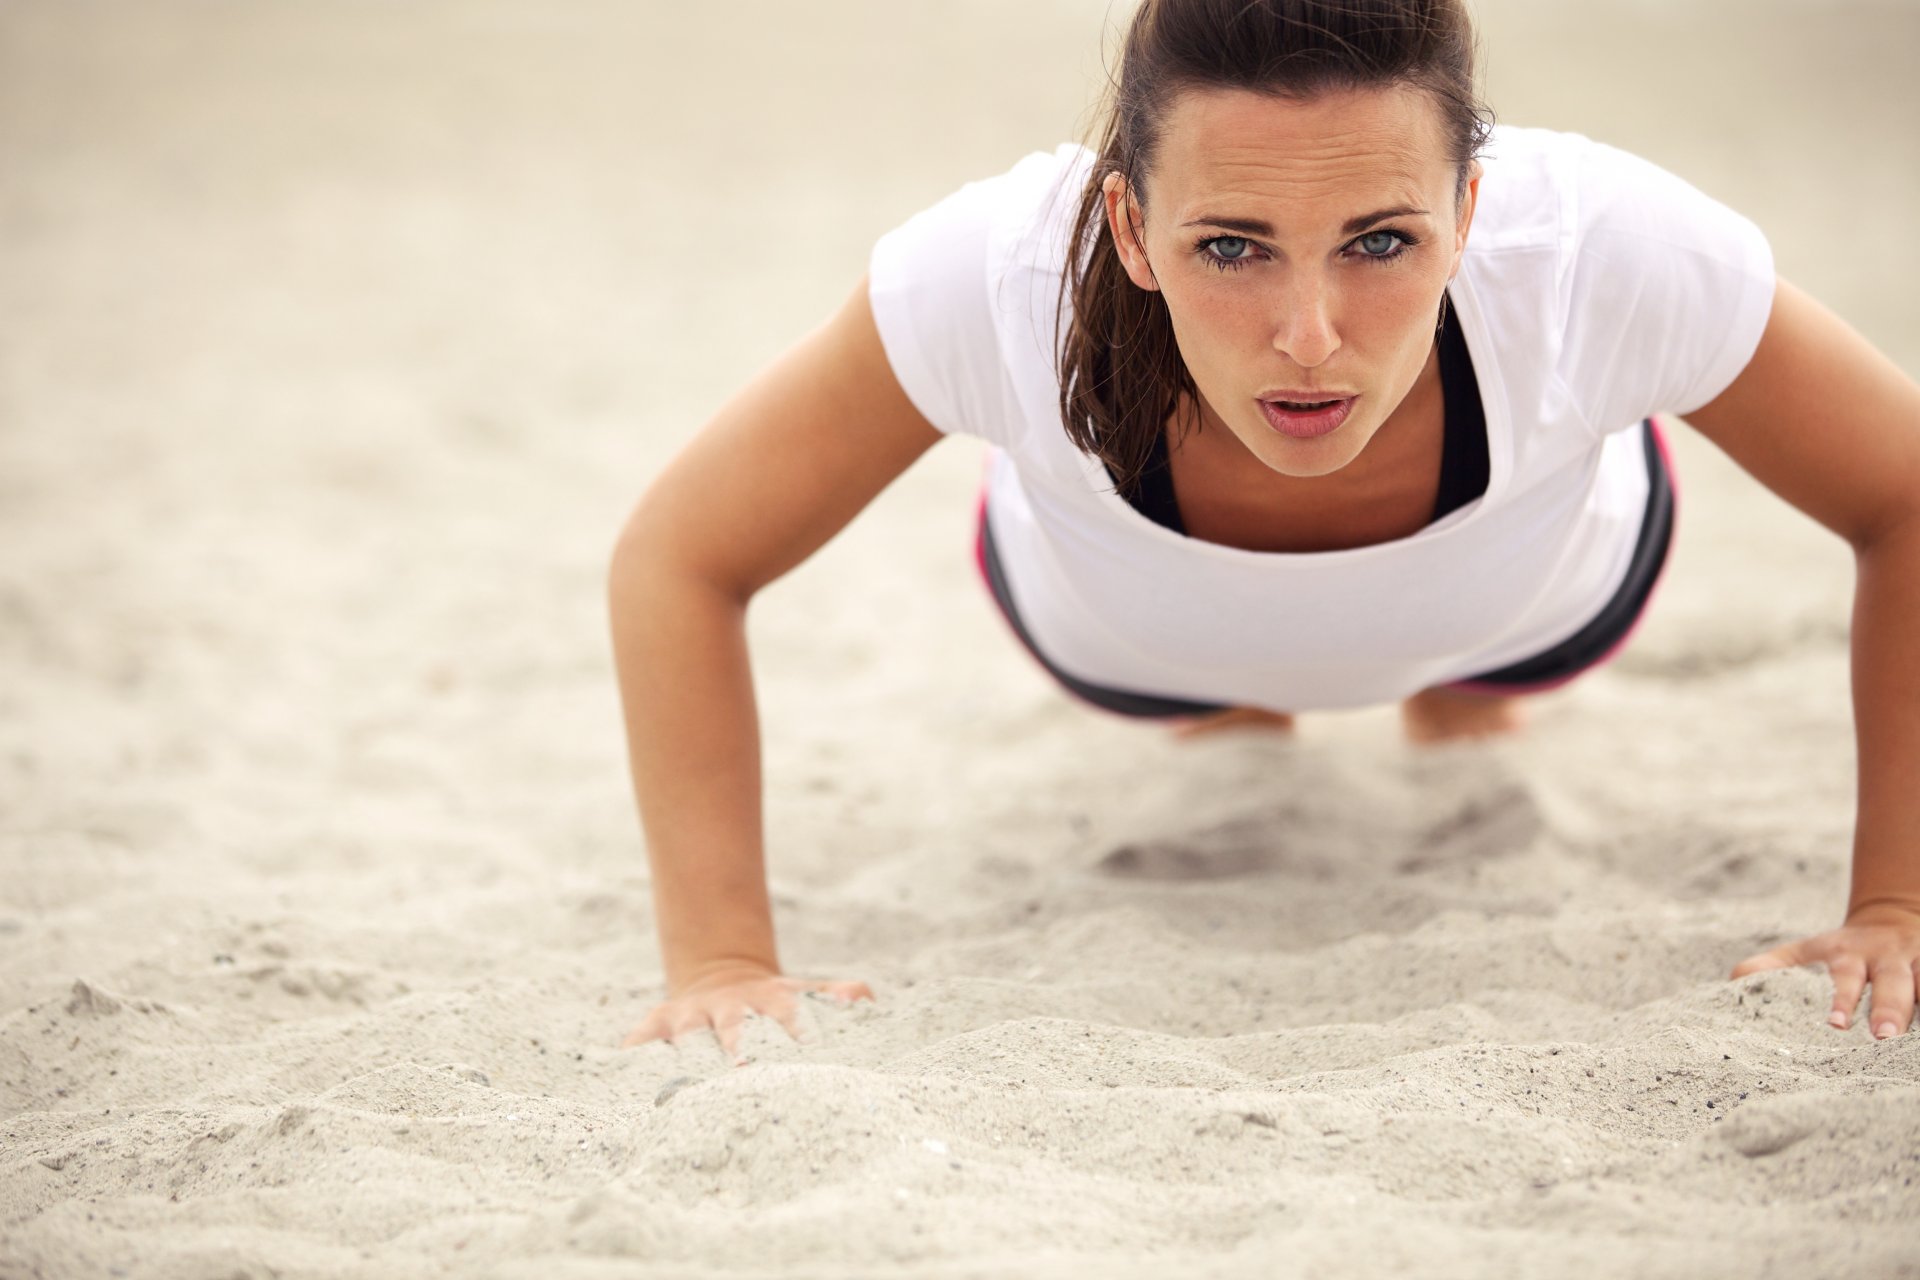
x,y
1345,398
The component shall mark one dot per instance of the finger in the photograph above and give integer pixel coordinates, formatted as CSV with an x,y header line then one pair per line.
x,y
1779,958
1892,998
652,1027
1849,976
841,993
781,1004
787,1013
726,1027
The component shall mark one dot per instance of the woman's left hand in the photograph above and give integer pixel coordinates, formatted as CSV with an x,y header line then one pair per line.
x,y
1877,944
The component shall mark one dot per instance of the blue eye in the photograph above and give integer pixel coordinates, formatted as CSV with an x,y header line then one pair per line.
x,y
1228,253
1383,246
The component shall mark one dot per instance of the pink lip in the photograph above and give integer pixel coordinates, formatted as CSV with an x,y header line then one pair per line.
x,y
1305,426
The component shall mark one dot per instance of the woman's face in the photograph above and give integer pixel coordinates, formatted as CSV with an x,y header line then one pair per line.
x,y
1302,248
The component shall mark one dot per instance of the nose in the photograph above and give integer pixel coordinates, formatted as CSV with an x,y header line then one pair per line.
x,y
1304,330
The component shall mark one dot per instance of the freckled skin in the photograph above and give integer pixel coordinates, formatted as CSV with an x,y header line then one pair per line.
x,y
1305,311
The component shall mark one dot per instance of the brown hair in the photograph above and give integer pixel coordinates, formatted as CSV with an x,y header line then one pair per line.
x,y
1121,371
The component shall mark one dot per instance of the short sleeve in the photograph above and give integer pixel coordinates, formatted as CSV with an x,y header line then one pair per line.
x,y
930,284
1669,292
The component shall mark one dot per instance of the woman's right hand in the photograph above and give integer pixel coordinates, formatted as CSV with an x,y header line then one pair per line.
x,y
804,447
722,999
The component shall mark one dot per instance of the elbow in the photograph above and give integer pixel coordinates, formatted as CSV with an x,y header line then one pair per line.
x,y
1898,524
650,560
627,553
640,561
630,541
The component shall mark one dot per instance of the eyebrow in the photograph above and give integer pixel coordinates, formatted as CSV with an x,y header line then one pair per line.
x,y
1255,227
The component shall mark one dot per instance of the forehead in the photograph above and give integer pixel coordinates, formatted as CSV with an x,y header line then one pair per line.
x,y
1232,152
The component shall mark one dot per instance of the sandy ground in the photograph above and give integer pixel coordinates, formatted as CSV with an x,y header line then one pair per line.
x,y
335,341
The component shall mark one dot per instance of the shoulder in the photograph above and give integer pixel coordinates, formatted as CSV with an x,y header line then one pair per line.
x,y
1660,289
1638,290
1010,212
1546,187
1528,185
1041,197
962,281
1550,188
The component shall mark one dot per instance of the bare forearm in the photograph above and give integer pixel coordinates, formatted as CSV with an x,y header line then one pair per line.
x,y
693,742
1886,707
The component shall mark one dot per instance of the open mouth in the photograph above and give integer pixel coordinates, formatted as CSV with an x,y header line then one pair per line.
x,y
1305,419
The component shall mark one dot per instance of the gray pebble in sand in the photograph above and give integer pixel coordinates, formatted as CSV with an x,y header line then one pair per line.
x,y
672,1087
89,1001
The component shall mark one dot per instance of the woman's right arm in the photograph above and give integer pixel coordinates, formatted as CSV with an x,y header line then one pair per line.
x,y
780,469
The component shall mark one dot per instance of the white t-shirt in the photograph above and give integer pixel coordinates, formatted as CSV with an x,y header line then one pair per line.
x,y
1596,289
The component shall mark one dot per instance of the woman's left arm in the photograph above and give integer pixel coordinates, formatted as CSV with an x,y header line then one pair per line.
x,y
1830,424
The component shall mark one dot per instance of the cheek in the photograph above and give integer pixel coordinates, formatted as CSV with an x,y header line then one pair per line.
x,y
1214,321
1393,313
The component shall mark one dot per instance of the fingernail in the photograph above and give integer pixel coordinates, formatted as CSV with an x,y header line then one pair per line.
x,y
1837,1019
1884,1030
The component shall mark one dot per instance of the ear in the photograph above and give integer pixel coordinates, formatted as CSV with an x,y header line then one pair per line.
x,y
1465,222
1128,227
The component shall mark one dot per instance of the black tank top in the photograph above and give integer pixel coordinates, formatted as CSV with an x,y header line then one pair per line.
x,y
1463,451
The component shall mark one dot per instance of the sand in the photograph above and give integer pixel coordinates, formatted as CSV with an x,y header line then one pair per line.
x,y
335,342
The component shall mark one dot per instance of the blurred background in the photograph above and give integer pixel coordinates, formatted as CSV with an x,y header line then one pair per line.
x,y
336,340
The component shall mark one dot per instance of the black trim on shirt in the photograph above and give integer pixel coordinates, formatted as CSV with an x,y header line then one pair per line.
x,y
1463,456
1592,642
1608,628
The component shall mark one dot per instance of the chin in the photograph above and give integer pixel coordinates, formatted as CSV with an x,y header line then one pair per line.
x,y
1317,470
1305,459
1299,460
